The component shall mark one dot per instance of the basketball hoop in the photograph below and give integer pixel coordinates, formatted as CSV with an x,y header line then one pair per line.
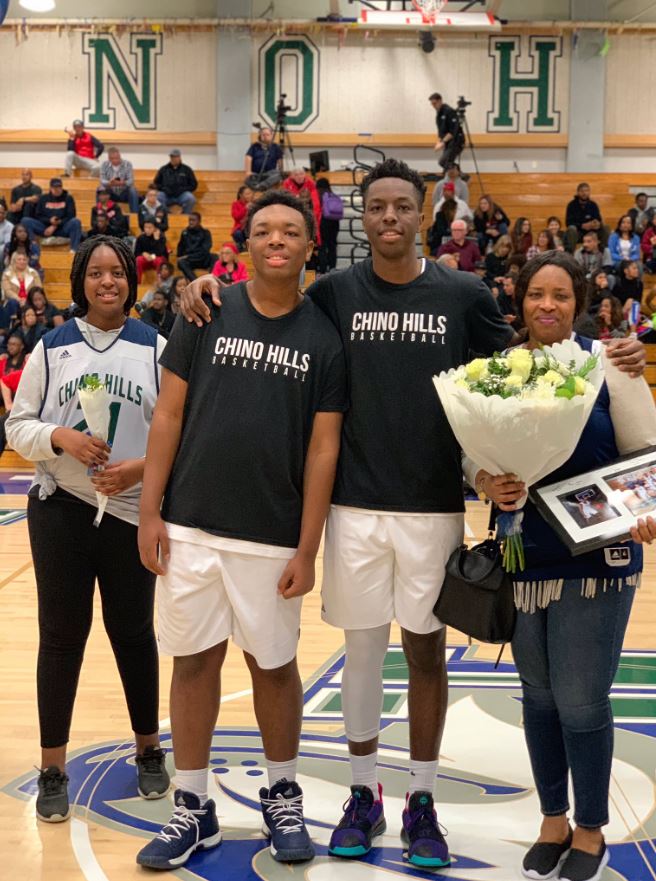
x,y
429,9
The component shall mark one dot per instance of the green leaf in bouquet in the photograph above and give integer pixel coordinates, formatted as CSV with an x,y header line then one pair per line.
x,y
91,383
588,367
567,389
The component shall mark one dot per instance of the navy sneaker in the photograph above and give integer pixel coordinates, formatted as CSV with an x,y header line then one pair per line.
x,y
190,828
282,808
362,821
422,834
52,801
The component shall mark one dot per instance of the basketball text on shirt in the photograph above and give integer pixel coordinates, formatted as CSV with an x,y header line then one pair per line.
x,y
239,352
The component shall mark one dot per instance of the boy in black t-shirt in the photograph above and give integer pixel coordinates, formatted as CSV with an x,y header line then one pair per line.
x,y
243,447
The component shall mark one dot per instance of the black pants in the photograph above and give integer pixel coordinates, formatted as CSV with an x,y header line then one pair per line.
x,y
188,264
451,150
69,554
328,249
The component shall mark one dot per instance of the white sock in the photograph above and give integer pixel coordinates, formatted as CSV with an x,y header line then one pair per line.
x,y
193,781
364,771
422,776
281,771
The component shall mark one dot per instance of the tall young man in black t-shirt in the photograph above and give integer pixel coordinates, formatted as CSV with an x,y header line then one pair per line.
x,y
398,502
243,448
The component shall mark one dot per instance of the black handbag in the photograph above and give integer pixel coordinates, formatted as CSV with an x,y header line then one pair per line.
x,y
477,596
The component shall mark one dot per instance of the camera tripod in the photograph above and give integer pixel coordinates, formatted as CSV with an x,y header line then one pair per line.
x,y
461,111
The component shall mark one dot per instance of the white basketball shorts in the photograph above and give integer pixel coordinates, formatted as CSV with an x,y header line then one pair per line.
x,y
379,567
219,587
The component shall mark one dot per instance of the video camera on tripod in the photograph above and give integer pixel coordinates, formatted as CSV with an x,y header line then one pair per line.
x,y
282,109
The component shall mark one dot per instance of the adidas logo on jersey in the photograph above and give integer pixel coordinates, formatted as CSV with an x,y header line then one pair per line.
x,y
65,354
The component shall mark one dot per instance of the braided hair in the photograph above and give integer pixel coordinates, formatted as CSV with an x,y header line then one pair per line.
x,y
81,262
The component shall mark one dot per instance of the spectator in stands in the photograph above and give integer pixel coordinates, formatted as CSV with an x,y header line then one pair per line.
x,y
515,264
332,211
629,285
177,289
463,211
624,244
590,256
522,237
298,183
100,227
228,268
195,248
453,176
46,314
441,228
641,216
555,228
150,249
544,242
490,222
582,216
176,183
117,177
496,259
118,223
600,285
11,369
9,318
506,299
55,216
30,328
448,260
467,249
158,314
648,245
23,197
611,323
263,161
18,278
153,209
163,282
22,241
239,209
82,150
6,229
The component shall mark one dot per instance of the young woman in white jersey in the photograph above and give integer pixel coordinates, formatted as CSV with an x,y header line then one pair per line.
x,y
47,427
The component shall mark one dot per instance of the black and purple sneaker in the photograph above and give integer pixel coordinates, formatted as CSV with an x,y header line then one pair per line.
x,y
362,821
422,834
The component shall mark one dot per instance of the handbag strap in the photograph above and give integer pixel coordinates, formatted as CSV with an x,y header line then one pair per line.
x,y
491,526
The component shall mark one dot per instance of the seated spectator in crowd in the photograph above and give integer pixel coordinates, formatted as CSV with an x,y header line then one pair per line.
x,y
448,260
117,177
31,329
496,259
177,289
22,242
440,231
463,211
55,216
82,150
506,300
228,268
23,197
467,249
299,183
18,278
46,314
624,244
648,245
119,225
6,228
332,211
554,227
153,209
11,369
176,183
611,323
263,161
544,242
238,210
195,248
582,216
515,263
641,216
590,255
452,175
629,285
490,222
100,227
9,318
163,282
522,237
150,249
158,314
600,285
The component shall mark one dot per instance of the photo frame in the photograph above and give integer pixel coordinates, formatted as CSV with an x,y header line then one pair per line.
x,y
600,506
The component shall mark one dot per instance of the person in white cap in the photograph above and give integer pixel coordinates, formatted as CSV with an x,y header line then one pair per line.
x,y
82,150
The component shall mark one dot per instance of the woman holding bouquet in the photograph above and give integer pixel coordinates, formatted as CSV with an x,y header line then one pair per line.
x,y
47,427
572,611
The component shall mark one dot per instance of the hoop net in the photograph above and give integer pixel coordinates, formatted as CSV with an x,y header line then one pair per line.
x,y
429,9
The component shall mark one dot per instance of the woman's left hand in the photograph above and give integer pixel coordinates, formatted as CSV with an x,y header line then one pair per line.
x,y
118,477
644,532
628,355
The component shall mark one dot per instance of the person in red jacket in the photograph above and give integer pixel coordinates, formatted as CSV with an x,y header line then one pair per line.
x,y
239,209
82,150
227,268
648,245
297,183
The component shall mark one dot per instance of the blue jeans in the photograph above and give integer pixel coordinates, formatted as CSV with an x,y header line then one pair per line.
x,y
129,195
71,229
567,656
186,200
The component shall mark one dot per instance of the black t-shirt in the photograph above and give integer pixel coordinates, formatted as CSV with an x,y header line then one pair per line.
x,y
398,451
255,384
264,159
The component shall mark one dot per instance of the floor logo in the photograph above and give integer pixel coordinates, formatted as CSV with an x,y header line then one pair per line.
x,y
485,791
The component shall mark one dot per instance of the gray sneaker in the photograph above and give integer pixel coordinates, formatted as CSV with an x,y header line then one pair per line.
x,y
52,801
153,778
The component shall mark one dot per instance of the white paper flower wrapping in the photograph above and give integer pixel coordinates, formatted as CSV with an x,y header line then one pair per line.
x,y
95,407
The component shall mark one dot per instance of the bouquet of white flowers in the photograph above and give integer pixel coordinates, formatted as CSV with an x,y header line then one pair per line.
x,y
521,413
95,401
